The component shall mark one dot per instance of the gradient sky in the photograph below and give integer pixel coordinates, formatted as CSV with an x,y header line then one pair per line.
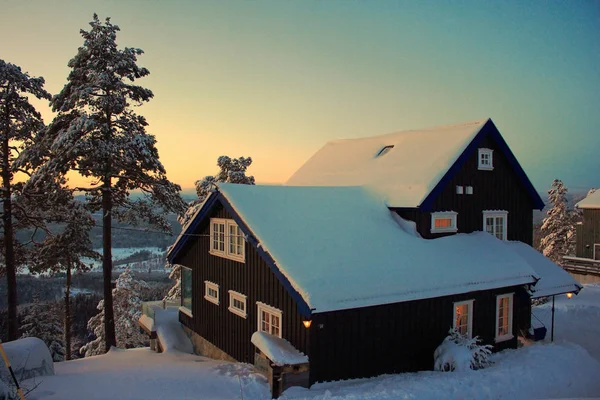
x,y
275,80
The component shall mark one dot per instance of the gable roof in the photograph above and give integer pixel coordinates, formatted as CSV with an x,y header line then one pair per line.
x,y
591,201
413,169
341,248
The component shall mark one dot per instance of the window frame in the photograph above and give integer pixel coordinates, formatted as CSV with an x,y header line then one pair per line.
x,y
511,306
596,253
485,167
468,303
273,312
444,215
183,308
211,285
227,240
233,295
460,189
469,190
496,214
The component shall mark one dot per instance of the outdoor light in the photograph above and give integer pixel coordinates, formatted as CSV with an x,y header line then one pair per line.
x,y
569,295
307,323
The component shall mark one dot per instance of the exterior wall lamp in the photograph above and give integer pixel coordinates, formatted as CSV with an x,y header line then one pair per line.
x,y
307,323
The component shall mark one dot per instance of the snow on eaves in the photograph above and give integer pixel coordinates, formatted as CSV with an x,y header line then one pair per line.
x,y
404,175
591,201
340,248
278,350
553,279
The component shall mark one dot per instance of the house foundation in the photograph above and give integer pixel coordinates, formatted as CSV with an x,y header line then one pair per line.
x,y
203,347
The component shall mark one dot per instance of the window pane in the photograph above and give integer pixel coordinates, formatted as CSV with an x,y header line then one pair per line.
x,y
443,222
186,287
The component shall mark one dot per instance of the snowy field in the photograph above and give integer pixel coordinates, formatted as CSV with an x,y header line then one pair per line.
x,y
568,368
120,253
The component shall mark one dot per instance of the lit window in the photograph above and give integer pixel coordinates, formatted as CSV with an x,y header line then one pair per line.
x,y
495,223
385,150
463,318
504,317
486,161
269,319
211,292
443,222
227,239
186,289
237,303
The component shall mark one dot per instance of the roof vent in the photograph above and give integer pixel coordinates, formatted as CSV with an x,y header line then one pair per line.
x,y
384,151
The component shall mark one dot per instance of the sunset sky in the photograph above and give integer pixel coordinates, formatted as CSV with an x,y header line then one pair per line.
x,y
275,80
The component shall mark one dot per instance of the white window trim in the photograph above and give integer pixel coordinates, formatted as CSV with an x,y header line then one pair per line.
x,y
510,317
469,190
470,322
212,285
494,214
444,215
186,311
240,297
226,253
460,189
482,167
265,307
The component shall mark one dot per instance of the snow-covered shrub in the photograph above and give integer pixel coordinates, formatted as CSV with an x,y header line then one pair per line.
x,y
460,353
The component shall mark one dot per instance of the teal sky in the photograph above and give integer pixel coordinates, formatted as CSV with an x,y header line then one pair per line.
x,y
275,80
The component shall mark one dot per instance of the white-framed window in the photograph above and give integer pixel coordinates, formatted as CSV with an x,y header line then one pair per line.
x,y
496,223
504,317
596,251
485,159
227,239
463,317
269,319
186,290
459,189
237,303
469,190
443,222
211,292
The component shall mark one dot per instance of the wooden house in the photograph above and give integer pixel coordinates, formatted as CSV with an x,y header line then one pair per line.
x,y
587,237
339,262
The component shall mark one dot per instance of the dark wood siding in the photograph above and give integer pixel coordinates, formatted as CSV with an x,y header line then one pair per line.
x,y
499,189
215,323
401,337
588,233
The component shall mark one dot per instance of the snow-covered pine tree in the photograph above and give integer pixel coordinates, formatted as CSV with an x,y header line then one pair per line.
x,y
19,122
97,133
232,170
128,309
558,230
175,291
43,322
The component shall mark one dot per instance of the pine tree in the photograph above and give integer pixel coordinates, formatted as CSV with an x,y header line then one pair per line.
x,y
127,297
558,228
19,122
97,133
175,291
44,323
232,170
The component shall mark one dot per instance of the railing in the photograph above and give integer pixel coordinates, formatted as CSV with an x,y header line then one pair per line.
x,y
148,307
581,265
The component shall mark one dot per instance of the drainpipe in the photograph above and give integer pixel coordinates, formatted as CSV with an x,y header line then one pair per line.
x,y
552,334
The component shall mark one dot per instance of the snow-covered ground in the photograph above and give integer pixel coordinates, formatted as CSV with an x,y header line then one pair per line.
x,y
568,368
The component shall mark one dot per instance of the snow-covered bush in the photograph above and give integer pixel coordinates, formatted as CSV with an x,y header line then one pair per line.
x,y
127,310
460,353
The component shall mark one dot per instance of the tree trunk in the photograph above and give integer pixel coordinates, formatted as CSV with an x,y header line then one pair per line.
x,y
109,319
9,254
68,315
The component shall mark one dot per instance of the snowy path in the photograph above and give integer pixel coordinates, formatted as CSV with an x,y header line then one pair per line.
x,y
170,332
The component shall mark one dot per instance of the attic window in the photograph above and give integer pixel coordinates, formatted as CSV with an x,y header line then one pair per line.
x,y
385,150
486,162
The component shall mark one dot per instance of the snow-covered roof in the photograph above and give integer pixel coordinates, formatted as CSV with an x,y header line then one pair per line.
x,y
341,248
553,279
403,174
591,201
278,350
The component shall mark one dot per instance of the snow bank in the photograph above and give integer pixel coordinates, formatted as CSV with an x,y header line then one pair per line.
x,y
29,357
278,350
553,279
340,248
403,175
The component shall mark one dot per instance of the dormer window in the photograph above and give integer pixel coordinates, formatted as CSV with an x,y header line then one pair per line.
x,y
443,222
486,161
385,150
